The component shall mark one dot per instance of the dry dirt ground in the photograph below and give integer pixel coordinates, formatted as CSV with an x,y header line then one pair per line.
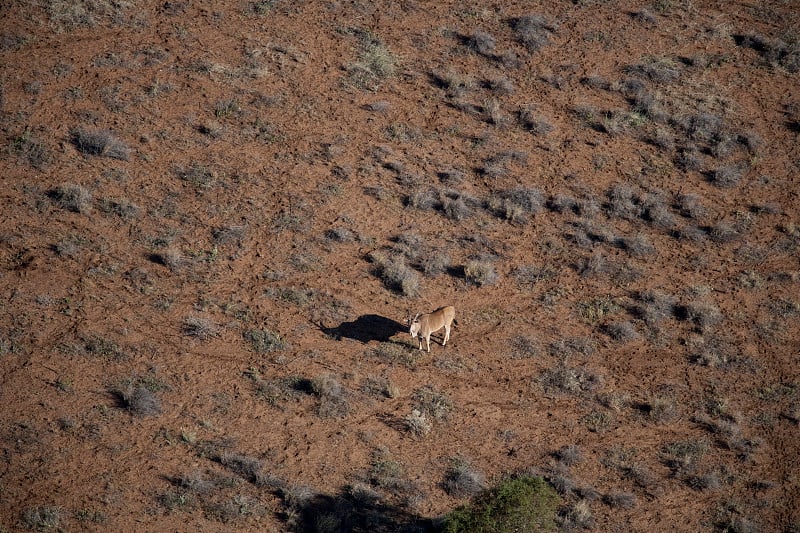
x,y
216,218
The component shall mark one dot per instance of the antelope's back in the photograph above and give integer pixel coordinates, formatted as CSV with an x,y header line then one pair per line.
x,y
443,315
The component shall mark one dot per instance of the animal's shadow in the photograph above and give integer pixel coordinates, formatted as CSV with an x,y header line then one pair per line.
x,y
365,328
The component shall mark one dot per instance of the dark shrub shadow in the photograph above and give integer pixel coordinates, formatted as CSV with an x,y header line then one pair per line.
x,y
351,512
365,328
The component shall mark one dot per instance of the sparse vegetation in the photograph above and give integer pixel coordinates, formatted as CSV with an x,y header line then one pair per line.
x,y
72,197
45,518
99,143
418,423
432,403
533,31
396,274
197,175
202,328
218,220
569,380
332,397
139,396
480,272
29,148
461,479
376,62
265,340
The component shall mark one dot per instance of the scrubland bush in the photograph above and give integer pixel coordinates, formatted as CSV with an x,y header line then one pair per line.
x,y
30,149
72,197
200,327
433,403
533,31
525,503
462,479
265,341
417,423
480,272
331,395
99,143
139,398
396,274
43,518
569,455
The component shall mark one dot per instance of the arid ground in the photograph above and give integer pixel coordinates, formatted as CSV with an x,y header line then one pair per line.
x,y
218,216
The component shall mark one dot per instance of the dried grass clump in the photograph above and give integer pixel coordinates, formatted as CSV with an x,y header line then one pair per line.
x,y
623,202
396,274
533,121
43,518
265,341
655,307
436,405
689,206
29,148
461,479
703,315
455,207
480,272
569,455
620,500
728,176
332,397
623,331
417,423
656,69
72,197
376,62
569,380
99,143
481,42
139,399
533,31
516,205
199,327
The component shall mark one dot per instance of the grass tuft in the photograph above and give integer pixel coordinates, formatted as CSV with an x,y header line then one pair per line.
x,y
99,143
72,197
395,274
44,518
462,480
480,272
265,341
533,31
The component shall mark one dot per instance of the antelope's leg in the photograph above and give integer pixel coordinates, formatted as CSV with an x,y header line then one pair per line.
x,y
428,338
446,334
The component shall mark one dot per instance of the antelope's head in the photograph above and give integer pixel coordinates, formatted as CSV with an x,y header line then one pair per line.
x,y
414,329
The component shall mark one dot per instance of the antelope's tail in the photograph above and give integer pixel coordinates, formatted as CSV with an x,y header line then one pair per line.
x,y
455,322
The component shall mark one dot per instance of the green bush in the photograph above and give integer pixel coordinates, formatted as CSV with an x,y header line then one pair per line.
x,y
526,503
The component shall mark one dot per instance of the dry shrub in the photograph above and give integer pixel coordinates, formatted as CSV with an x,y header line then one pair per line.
x,y
72,197
200,328
533,31
569,380
462,480
480,272
139,400
331,395
99,143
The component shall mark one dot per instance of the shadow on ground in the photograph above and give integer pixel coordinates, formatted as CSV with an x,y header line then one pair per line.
x,y
365,328
348,512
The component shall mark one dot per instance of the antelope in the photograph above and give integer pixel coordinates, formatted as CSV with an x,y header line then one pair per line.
x,y
424,325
